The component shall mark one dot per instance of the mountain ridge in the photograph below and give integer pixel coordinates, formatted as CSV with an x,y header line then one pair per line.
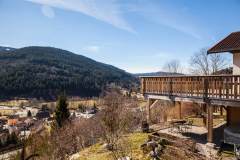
x,y
6,49
43,72
159,73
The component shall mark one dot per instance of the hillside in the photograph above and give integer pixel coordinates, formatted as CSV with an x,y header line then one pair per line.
x,y
160,73
45,71
6,49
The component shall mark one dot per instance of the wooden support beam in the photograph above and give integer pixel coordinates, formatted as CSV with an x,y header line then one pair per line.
x,y
204,110
228,110
142,85
221,110
178,105
210,123
150,102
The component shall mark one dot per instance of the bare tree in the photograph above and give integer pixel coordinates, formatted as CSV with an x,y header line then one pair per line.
x,y
173,66
203,64
62,142
217,62
117,120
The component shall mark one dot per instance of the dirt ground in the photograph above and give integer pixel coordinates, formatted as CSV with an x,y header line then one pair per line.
x,y
181,149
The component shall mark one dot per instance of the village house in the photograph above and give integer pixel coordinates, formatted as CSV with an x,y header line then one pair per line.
x,y
33,110
8,110
43,115
12,120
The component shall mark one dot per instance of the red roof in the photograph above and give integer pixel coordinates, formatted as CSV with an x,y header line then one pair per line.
x,y
229,44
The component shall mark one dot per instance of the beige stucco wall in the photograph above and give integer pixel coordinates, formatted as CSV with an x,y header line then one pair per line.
x,y
236,63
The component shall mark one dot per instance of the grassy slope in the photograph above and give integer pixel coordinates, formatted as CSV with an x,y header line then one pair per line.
x,y
96,152
199,121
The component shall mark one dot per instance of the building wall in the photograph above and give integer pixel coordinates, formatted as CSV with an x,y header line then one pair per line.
x,y
236,63
233,115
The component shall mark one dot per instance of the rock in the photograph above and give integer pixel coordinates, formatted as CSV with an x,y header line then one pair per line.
x,y
237,152
163,142
108,146
125,158
145,127
152,144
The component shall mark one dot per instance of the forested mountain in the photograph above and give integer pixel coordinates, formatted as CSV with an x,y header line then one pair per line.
x,y
6,49
45,71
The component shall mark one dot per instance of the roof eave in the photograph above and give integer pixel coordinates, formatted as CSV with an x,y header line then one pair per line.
x,y
223,51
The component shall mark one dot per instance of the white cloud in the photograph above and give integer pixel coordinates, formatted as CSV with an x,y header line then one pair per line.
x,y
104,10
48,11
92,49
175,18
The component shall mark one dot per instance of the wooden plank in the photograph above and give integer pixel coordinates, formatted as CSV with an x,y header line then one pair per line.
x,y
235,87
143,85
179,108
227,88
221,88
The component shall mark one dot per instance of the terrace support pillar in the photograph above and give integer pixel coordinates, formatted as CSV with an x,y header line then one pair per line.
x,y
210,123
179,109
221,110
149,104
204,110
228,115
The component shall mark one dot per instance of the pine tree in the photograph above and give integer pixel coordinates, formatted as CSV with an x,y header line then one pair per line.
x,y
82,108
29,114
95,107
62,113
1,144
8,139
14,138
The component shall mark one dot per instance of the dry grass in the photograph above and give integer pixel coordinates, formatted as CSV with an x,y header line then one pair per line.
x,y
142,103
6,112
178,149
13,102
97,152
227,155
73,104
199,121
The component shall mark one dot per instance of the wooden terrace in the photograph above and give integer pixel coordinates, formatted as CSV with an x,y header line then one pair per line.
x,y
218,89
209,91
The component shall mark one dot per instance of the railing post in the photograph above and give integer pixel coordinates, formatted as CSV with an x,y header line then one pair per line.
x,y
170,87
235,88
221,88
227,88
142,85
205,93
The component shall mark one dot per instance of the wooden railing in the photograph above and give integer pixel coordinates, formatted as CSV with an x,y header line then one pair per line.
x,y
225,87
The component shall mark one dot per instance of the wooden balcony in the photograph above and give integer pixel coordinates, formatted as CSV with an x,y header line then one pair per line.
x,y
224,88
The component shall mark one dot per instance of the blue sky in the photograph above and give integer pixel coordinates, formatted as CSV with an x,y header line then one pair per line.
x,y
135,35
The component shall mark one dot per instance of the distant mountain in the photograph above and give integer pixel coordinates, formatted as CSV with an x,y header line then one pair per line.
x,y
45,71
6,49
156,74
224,71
